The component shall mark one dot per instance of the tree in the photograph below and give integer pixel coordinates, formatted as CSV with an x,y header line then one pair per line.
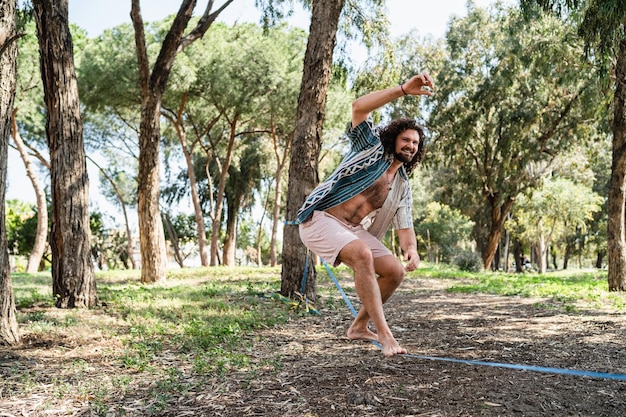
x,y
558,207
153,83
243,179
8,74
510,98
303,175
443,230
108,83
236,82
29,96
73,278
603,29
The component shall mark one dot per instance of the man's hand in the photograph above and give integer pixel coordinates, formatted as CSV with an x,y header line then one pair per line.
x,y
419,85
412,260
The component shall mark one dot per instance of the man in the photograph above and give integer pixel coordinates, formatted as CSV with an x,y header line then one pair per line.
x,y
344,218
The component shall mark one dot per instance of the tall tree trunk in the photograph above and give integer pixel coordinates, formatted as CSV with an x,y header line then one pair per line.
x,y
177,123
230,240
542,253
9,333
281,161
219,199
151,234
41,236
499,214
197,207
153,84
616,229
73,278
303,169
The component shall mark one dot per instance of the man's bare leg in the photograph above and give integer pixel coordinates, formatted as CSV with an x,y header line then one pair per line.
x,y
359,257
390,275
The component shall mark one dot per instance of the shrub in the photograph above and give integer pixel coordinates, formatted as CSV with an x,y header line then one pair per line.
x,y
468,261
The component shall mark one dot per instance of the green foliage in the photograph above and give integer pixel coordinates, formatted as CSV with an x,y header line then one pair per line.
x,y
21,227
558,205
556,211
443,230
504,87
511,97
600,22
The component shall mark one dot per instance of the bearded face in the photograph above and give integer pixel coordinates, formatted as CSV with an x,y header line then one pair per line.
x,y
407,144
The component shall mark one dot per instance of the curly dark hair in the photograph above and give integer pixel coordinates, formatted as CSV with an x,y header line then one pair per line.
x,y
389,134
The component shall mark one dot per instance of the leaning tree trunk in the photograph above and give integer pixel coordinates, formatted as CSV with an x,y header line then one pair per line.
x,y
616,229
73,278
230,240
41,237
224,165
499,214
153,84
9,334
177,123
281,162
303,175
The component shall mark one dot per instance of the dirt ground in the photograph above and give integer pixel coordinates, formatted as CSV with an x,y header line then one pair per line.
x,y
321,373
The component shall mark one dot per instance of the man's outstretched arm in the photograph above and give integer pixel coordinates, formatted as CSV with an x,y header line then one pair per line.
x,y
364,105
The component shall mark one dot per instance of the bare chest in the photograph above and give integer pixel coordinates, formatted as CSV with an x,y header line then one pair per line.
x,y
359,206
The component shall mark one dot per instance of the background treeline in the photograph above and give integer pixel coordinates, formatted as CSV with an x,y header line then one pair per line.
x,y
518,158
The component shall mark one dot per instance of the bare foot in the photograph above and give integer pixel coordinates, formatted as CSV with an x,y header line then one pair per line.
x,y
361,334
390,347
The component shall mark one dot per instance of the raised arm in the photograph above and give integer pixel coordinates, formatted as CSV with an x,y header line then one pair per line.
x,y
364,105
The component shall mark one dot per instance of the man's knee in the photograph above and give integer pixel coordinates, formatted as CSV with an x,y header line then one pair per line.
x,y
356,253
397,273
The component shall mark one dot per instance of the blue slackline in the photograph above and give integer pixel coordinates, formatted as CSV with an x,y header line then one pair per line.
x,y
590,374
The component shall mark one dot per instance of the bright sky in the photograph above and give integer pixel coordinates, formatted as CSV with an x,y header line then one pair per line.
x,y
429,18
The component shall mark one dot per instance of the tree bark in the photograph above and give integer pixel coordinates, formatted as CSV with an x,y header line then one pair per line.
x,y
41,236
73,278
281,161
499,214
216,225
230,239
153,84
177,122
616,229
303,169
9,332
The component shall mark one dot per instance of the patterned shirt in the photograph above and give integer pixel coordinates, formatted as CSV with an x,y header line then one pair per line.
x,y
360,168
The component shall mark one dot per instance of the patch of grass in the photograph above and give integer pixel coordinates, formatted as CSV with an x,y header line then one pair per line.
x,y
30,290
566,288
441,271
198,323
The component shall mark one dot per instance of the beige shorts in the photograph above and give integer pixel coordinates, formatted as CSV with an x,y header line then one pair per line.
x,y
325,235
